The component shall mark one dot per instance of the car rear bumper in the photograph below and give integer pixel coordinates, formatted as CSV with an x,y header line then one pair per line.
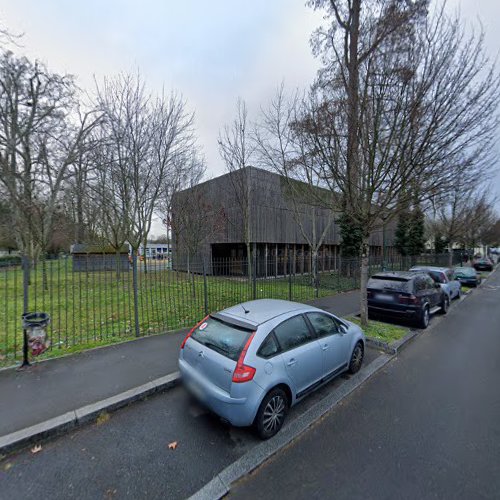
x,y
403,313
239,412
466,282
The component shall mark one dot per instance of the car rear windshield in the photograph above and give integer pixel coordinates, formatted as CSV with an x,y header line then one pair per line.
x,y
396,283
222,337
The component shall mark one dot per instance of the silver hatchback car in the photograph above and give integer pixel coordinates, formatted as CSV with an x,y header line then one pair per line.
x,y
250,363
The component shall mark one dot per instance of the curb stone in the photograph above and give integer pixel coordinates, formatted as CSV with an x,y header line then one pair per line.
x,y
84,415
394,347
220,485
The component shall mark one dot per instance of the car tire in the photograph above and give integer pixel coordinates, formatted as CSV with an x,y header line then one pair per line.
x,y
357,357
425,317
459,294
272,413
445,304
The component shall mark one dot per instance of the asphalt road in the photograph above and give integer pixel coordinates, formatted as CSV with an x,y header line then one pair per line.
x,y
128,455
427,426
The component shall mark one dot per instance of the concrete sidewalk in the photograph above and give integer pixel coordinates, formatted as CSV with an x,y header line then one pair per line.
x,y
51,388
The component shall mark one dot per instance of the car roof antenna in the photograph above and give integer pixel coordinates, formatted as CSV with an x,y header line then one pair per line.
x,y
244,308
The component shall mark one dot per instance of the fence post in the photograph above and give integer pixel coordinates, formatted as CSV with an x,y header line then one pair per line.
x,y
316,277
26,281
289,276
205,290
136,293
254,274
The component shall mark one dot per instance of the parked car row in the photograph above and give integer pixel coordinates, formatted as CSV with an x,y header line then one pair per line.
x,y
416,294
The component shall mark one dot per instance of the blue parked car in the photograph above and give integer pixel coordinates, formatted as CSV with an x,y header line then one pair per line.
x,y
250,363
445,277
467,276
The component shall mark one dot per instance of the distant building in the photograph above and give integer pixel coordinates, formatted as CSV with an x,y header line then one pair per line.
x,y
92,258
159,251
277,239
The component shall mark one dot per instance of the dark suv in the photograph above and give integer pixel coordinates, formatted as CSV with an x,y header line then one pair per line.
x,y
406,295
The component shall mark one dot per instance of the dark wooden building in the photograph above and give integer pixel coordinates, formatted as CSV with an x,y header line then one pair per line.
x,y
208,226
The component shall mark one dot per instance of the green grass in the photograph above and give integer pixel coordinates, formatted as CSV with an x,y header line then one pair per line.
x,y
382,331
93,309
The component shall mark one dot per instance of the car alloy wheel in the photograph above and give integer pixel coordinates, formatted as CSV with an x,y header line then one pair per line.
x,y
272,413
445,305
356,358
424,321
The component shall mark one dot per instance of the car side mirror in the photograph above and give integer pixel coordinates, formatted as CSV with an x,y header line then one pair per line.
x,y
342,329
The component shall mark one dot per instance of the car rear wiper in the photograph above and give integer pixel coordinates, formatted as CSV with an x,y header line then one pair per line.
x,y
215,347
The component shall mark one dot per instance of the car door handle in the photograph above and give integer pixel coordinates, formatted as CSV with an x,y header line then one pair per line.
x,y
292,362
324,347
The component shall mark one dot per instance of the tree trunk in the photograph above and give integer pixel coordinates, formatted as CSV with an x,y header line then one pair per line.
x,y
353,104
118,264
365,253
144,245
450,256
314,269
249,260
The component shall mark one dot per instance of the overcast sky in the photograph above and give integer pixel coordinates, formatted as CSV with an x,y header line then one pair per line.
x,y
211,52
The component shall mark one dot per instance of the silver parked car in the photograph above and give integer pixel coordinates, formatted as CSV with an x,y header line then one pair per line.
x,y
445,277
250,363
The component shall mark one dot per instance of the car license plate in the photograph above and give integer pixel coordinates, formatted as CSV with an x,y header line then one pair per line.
x,y
384,297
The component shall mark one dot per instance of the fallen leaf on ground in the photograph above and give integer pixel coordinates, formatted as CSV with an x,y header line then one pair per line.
x,y
7,466
102,418
36,448
172,445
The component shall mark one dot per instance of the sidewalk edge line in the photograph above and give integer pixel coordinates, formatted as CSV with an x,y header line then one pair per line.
x,y
83,415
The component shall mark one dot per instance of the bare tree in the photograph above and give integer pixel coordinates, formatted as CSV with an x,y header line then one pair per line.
x,y
461,212
401,100
145,136
187,171
194,220
282,150
237,148
41,134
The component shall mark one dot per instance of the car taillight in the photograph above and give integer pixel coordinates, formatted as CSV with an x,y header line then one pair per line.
x,y
242,372
408,299
369,294
192,330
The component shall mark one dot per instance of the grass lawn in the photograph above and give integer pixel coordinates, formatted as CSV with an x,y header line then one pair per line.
x,y
382,331
90,309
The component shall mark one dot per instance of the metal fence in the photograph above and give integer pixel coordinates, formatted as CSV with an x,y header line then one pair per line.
x,y
90,308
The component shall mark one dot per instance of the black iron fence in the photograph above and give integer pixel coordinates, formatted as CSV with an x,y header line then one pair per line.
x,y
91,306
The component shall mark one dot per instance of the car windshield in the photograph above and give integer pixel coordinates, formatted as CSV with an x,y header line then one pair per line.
x,y
465,271
397,283
222,337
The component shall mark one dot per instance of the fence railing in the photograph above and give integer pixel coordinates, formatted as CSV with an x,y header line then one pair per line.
x,y
94,307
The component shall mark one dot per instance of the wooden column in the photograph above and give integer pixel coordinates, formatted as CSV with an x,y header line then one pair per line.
x,y
265,258
276,260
